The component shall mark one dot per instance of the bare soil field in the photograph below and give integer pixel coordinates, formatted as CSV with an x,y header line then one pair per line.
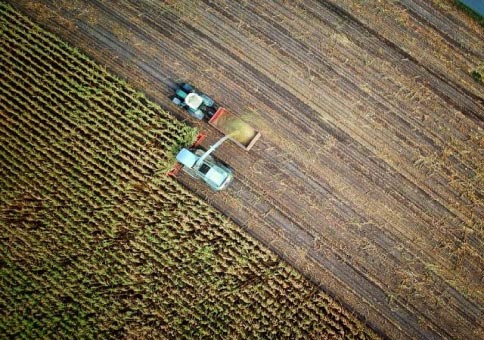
x,y
98,243
369,173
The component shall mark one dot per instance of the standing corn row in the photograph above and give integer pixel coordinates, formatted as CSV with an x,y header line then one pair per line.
x,y
95,243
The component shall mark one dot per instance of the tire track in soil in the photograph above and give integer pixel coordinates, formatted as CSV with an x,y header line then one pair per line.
x,y
292,201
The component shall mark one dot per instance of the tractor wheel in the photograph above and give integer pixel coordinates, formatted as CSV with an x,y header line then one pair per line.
x,y
187,87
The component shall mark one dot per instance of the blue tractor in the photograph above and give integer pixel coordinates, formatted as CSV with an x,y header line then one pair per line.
x,y
198,105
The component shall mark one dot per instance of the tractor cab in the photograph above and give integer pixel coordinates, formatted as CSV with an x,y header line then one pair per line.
x,y
198,105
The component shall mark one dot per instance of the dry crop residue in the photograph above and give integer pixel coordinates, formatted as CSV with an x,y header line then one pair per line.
x,y
97,242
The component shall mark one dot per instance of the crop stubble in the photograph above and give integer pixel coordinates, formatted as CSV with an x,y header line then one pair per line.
x,y
369,174
98,242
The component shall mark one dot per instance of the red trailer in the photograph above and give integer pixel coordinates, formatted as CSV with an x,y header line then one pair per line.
x,y
231,125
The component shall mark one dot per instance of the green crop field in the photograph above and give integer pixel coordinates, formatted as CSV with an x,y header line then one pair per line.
x,y
96,242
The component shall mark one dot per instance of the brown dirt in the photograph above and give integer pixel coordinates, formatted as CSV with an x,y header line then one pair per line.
x,y
369,173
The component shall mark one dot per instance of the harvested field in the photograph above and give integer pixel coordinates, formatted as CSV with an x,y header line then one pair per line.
x,y
96,242
369,173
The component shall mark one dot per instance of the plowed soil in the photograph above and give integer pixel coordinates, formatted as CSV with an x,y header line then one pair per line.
x,y
98,243
369,173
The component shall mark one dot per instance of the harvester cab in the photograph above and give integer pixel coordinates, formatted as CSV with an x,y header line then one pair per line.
x,y
201,164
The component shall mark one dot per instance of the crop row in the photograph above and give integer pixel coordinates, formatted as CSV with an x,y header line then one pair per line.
x,y
97,242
